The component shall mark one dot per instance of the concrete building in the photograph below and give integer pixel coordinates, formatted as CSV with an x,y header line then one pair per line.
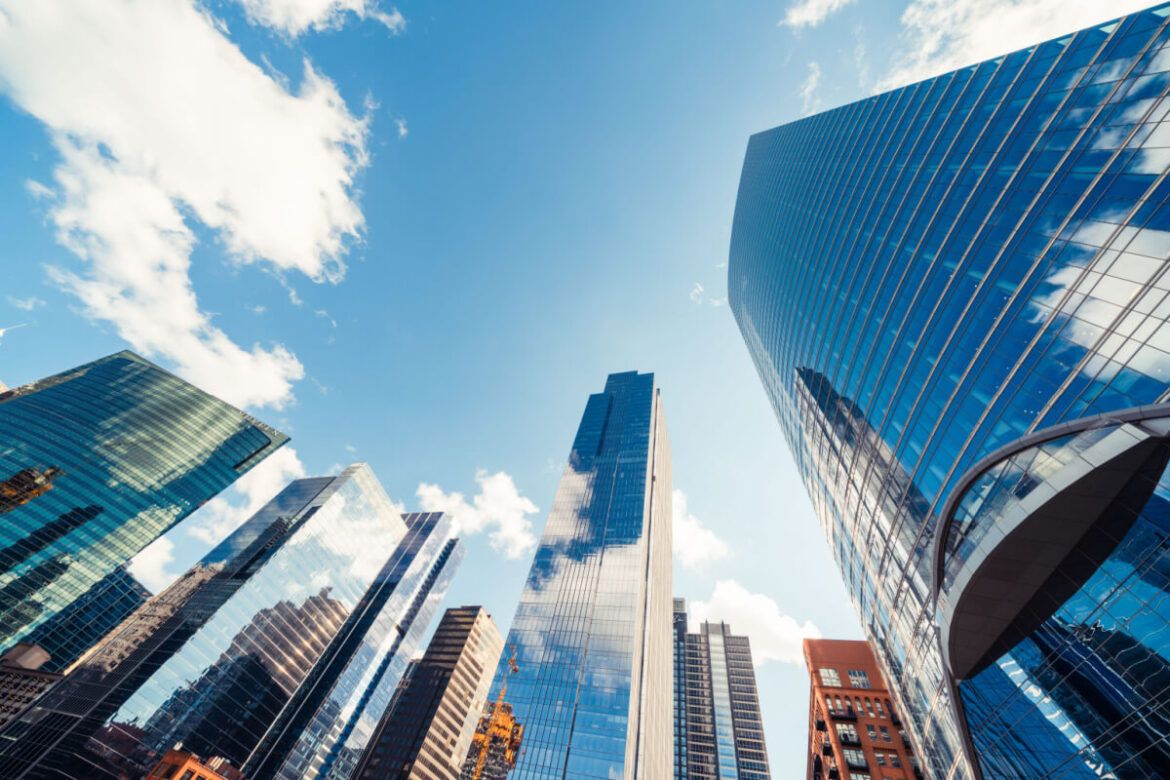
x,y
719,732
854,732
428,728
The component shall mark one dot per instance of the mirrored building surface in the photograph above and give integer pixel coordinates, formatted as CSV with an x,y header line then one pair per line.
x,y
280,648
95,464
955,294
592,633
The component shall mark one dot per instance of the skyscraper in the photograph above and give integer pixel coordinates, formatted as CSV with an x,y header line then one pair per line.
x,y
854,730
278,650
592,630
95,464
426,732
955,296
719,732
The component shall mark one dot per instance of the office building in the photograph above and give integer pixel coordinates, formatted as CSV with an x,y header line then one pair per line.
x,y
496,743
277,652
182,765
955,296
717,704
854,730
592,630
427,730
97,463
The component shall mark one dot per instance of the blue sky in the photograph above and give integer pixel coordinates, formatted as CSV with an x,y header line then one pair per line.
x,y
420,236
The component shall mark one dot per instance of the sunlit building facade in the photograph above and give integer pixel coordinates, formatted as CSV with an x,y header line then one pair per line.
x,y
278,652
955,295
592,633
719,731
95,464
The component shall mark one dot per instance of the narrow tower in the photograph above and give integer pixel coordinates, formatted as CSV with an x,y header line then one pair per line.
x,y
592,631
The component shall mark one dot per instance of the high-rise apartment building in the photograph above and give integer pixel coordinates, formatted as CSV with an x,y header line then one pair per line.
x,y
955,294
592,630
278,652
95,464
427,730
854,730
719,732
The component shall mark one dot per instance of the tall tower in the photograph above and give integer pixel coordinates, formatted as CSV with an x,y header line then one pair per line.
x,y
592,632
719,727
95,464
427,730
955,295
277,652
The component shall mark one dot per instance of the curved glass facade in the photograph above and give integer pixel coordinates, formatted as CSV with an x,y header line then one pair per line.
x,y
592,632
95,464
927,275
286,640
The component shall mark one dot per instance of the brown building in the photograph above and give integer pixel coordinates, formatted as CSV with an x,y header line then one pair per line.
x,y
21,681
854,729
431,721
181,765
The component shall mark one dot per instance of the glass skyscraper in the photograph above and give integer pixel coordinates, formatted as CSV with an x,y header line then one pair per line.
x,y
95,464
278,651
956,296
592,633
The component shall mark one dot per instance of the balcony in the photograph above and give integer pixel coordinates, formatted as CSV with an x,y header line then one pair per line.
x,y
918,773
821,725
826,749
896,721
846,714
834,774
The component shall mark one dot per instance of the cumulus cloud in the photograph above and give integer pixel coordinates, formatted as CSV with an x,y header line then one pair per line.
x,y
810,13
161,121
774,635
26,304
809,101
497,507
294,17
942,35
694,544
150,566
403,130
226,512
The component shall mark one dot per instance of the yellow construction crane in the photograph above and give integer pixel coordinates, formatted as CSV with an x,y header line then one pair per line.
x,y
500,728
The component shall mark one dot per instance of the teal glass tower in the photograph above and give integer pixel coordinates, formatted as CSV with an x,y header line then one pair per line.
x,y
592,633
956,296
95,464
278,652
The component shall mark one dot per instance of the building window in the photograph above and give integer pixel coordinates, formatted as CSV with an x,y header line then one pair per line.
x,y
855,759
878,703
895,761
847,733
830,678
858,678
880,757
873,737
885,734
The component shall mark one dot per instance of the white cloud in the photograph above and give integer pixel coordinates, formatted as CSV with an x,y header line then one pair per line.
x,y
158,119
694,544
809,102
942,35
257,309
498,506
294,17
774,635
38,190
225,513
26,304
810,13
150,565
403,130
696,294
